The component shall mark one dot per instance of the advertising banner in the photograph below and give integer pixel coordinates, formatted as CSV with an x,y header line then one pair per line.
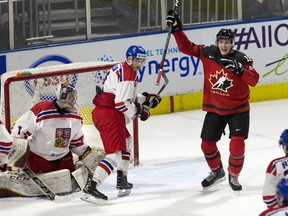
x,y
265,42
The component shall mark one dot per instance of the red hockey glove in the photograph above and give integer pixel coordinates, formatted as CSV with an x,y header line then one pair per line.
x,y
151,98
142,113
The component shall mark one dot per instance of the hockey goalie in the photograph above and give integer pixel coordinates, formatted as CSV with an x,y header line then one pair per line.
x,y
46,140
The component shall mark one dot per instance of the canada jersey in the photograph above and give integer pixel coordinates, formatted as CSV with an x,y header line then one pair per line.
x,y
51,135
5,144
276,169
224,93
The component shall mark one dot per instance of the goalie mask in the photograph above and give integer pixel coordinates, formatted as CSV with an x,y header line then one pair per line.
x,y
136,53
67,94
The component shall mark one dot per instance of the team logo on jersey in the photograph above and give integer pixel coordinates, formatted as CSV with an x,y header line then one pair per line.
x,y
220,81
62,137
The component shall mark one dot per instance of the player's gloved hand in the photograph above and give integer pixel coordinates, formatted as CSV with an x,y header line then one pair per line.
x,y
236,66
151,98
142,112
3,167
173,21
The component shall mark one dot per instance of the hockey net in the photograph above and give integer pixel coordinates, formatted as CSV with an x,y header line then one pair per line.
x,y
21,89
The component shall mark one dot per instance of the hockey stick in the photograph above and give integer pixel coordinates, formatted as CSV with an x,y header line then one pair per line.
x,y
160,67
47,191
160,72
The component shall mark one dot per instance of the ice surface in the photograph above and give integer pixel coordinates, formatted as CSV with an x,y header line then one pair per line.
x,y
168,180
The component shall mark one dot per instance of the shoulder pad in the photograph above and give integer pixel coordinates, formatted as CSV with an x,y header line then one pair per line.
x,y
241,57
210,50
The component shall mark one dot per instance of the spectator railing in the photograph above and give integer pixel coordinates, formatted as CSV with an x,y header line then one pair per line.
x,y
53,21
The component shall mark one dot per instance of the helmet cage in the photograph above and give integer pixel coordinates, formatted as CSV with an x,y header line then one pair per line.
x,y
67,94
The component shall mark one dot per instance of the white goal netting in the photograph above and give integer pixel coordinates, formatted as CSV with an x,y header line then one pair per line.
x,y
21,89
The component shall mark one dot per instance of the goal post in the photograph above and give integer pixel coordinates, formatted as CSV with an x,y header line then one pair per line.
x,y
21,89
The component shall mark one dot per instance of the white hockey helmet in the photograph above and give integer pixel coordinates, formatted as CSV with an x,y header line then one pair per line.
x,y
66,93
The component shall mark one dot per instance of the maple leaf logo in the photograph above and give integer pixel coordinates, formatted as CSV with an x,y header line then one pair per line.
x,y
220,81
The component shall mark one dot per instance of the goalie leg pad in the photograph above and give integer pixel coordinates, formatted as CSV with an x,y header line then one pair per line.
x,y
19,152
59,181
17,183
80,175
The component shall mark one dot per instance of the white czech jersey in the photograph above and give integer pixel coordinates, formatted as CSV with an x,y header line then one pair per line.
x,y
51,135
5,144
276,169
282,211
122,81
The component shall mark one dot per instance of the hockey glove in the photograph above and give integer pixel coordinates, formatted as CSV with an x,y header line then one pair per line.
x,y
142,113
173,21
151,98
236,67
3,167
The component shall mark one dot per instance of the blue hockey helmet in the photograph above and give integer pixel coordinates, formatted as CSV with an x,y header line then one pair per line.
x,y
282,192
136,52
284,138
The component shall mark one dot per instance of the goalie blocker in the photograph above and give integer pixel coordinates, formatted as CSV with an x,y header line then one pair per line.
x,y
17,183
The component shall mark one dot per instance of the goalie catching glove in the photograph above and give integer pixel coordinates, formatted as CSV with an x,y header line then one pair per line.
x,y
173,21
142,112
236,67
151,98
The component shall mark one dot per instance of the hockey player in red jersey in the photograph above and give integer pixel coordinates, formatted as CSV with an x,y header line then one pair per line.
x,y
227,76
116,104
5,146
281,194
276,169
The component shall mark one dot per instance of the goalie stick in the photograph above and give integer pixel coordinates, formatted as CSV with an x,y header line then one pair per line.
x,y
160,66
47,191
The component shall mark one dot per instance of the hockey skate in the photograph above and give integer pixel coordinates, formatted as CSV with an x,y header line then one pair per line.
x,y
123,186
92,195
214,178
234,183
